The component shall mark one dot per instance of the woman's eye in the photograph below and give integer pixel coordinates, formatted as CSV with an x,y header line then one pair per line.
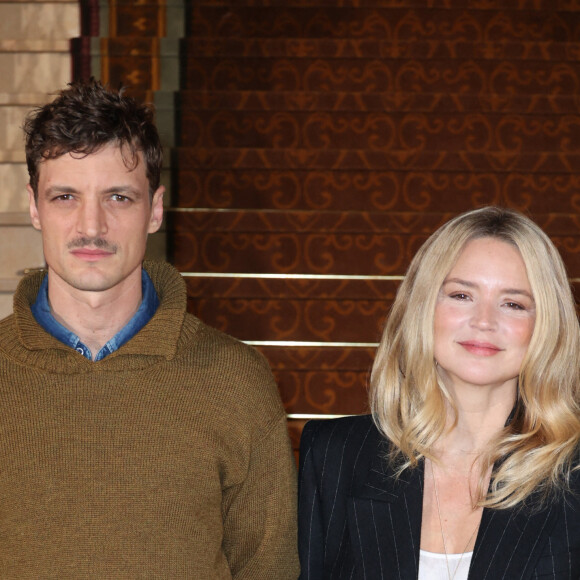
x,y
514,306
459,296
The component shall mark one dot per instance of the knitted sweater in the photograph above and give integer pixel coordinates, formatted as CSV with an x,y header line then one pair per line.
x,y
167,459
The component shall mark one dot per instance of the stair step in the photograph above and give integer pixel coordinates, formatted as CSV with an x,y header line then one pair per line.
x,y
24,99
34,72
34,45
12,217
6,301
36,20
11,119
329,379
365,190
504,5
428,102
349,321
338,222
25,250
262,287
324,391
377,75
414,132
12,156
407,160
388,23
363,254
14,178
365,48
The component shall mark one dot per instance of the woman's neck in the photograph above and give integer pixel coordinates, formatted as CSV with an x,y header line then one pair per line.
x,y
480,416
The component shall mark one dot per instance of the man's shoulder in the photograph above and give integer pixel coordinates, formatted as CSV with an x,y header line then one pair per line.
x,y
7,321
211,344
6,330
233,372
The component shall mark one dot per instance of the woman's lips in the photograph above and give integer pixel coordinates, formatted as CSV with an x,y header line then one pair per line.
x,y
480,348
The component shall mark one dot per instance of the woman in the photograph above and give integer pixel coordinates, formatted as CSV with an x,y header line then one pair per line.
x,y
467,466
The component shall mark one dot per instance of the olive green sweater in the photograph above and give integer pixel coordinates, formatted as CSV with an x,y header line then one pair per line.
x,y
167,459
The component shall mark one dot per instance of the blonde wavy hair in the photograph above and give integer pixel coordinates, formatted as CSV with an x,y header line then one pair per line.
x,y
535,452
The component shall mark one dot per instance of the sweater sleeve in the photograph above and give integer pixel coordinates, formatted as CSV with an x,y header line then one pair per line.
x,y
260,520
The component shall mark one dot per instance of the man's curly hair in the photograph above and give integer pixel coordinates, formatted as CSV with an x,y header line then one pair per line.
x,y
87,116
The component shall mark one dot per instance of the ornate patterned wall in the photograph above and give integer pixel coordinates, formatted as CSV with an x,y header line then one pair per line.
x,y
319,142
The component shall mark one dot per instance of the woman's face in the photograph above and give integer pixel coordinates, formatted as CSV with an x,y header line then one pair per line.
x,y
484,317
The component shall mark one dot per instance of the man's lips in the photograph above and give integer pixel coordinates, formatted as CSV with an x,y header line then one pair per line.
x,y
91,254
480,348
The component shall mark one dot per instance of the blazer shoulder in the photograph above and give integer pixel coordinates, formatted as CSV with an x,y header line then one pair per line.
x,y
345,431
344,444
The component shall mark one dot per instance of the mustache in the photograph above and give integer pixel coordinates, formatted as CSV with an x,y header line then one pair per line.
x,y
99,243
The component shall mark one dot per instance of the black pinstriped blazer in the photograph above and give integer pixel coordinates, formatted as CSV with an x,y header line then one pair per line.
x,y
357,522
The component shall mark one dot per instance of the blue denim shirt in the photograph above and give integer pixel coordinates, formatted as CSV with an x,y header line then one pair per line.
x,y
41,311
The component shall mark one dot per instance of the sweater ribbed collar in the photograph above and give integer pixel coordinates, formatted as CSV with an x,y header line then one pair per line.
x,y
23,339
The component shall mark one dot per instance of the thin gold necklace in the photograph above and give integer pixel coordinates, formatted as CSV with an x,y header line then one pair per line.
x,y
450,576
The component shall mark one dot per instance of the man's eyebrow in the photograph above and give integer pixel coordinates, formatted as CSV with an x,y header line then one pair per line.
x,y
122,188
59,189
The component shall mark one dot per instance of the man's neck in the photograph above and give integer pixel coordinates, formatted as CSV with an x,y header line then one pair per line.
x,y
95,317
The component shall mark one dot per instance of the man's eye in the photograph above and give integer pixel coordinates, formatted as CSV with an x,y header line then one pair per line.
x,y
119,197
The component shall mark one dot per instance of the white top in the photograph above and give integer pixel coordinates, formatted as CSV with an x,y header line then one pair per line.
x,y
433,566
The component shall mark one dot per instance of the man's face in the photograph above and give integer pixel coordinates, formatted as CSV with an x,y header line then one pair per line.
x,y
94,215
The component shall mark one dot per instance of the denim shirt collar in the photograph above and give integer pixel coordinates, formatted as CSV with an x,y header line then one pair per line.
x,y
43,315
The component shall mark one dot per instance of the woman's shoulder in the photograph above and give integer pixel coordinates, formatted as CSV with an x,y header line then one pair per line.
x,y
346,440
339,430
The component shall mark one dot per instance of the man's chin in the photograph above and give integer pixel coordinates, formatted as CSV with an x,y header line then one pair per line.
x,y
92,281
91,286
95,278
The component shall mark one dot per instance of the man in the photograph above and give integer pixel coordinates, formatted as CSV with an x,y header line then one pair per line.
x,y
135,441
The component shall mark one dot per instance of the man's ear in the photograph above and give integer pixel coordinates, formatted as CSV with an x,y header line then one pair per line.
x,y
156,210
33,209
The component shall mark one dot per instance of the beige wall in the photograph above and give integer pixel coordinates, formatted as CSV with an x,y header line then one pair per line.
x,y
34,62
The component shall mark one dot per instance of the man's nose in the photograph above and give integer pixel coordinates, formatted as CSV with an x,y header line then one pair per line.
x,y
92,220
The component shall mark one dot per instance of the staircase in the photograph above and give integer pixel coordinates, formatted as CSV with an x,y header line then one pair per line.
x,y
321,142
34,62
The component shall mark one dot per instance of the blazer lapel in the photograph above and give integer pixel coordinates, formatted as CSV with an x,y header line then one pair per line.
x,y
384,521
384,518
509,543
